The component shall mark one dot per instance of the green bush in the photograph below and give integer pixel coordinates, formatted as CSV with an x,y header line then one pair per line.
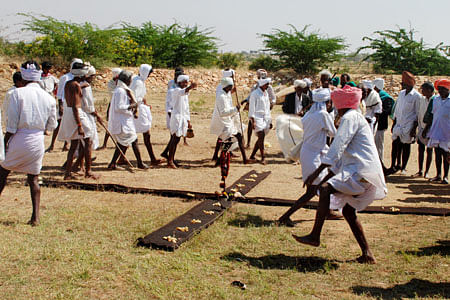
x,y
266,62
302,51
399,51
229,60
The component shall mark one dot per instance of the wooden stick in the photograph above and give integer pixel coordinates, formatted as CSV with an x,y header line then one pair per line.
x,y
117,147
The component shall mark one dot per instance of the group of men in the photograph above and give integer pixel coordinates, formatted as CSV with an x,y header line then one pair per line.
x,y
341,150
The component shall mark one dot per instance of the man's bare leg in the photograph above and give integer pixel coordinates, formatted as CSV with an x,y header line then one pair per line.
x,y
313,239
54,135
105,142
113,164
241,147
35,190
79,163
165,153
261,138
185,143
137,153
249,133
3,176
172,149
305,198
428,161
69,162
148,145
216,150
88,159
65,147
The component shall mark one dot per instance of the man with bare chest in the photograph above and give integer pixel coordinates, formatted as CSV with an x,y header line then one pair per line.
x,y
75,125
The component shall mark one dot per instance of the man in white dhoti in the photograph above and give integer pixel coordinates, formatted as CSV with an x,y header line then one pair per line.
x,y
144,121
48,82
121,120
31,111
60,96
317,126
171,85
18,83
180,119
427,90
405,124
222,123
76,127
259,116
373,104
439,134
261,74
355,176
88,105
387,104
111,85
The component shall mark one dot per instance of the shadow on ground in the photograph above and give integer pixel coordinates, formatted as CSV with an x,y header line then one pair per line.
x,y
413,289
283,262
443,249
248,220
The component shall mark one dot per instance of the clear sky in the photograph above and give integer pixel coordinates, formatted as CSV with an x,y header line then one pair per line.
x,y
237,22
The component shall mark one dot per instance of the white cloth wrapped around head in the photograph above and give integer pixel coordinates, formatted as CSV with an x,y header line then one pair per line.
x,y
226,81
91,71
325,72
182,78
228,73
264,81
116,72
308,82
80,72
368,84
300,83
30,73
378,83
144,71
75,60
321,95
261,73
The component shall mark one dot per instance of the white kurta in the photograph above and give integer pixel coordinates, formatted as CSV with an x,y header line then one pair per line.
x,y
6,104
2,145
49,83
180,112
121,120
354,159
317,125
88,106
439,133
373,106
61,85
222,122
169,106
259,110
423,105
405,114
31,111
144,121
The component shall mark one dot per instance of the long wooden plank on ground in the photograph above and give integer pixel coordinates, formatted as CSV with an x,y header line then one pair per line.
x,y
158,239
106,187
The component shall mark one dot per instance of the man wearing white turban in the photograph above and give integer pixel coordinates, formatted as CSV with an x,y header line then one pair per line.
x,y
144,121
31,111
222,122
76,127
373,105
259,115
387,105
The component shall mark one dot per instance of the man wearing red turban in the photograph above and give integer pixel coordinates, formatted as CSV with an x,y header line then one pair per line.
x,y
405,123
355,176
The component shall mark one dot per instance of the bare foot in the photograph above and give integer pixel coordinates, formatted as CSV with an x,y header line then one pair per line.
x,y
436,179
171,165
165,155
33,222
186,144
332,215
49,150
307,240
156,162
263,162
286,222
92,176
143,166
418,174
115,167
367,259
65,149
251,161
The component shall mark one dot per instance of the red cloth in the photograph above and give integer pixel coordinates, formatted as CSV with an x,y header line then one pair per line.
x,y
347,97
408,78
442,82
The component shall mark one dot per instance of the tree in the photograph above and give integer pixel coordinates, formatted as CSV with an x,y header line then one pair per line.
x,y
229,60
399,51
266,62
302,51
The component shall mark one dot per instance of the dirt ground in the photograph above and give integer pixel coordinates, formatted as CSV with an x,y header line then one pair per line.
x,y
198,174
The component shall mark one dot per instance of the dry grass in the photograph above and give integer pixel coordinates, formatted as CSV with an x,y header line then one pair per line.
x,y
84,248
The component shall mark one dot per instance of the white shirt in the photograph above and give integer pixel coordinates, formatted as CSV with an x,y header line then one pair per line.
x,y
373,105
222,118
298,104
407,108
88,100
423,105
180,102
62,83
170,86
317,125
6,104
49,83
259,105
353,151
138,88
111,85
120,117
31,107
270,92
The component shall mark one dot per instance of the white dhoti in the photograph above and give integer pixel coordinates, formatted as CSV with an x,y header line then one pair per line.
x,y
125,138
94,138
379,142
420,137
403,132
144,121
25,152
178,125
69,130
289,130
310,160
262,124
